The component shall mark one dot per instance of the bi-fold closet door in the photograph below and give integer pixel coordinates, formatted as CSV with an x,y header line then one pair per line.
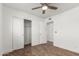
x,y
17,33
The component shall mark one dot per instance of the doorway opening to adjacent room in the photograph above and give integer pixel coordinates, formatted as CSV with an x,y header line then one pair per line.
x,y
50,33
27,33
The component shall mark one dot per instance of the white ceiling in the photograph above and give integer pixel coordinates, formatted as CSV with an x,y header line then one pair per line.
x,y
27,7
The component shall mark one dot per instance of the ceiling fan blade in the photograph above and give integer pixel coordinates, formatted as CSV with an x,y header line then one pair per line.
x,y
52,7
36,7
43,3
43,12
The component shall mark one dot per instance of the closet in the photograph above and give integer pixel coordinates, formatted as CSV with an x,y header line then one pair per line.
x,y
27,32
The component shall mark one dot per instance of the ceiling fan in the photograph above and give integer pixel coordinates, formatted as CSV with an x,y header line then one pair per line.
x,y
44,7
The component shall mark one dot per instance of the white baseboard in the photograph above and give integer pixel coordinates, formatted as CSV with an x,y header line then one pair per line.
x,y
39,43
5,52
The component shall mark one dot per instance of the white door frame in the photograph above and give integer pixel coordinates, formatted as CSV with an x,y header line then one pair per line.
x,y
31,30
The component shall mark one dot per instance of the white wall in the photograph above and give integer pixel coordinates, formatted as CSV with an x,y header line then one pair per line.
x,y
8,13
67,27
42,33
0,28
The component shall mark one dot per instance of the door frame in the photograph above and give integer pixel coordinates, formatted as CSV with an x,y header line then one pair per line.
x,y
31,29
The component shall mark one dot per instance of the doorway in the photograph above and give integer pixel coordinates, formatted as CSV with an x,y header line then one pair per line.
x,y
50,32
27,33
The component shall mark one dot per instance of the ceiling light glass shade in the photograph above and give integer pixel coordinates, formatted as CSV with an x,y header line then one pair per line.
x,y
44,8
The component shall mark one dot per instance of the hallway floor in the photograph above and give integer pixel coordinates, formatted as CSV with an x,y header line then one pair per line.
x,y
41,50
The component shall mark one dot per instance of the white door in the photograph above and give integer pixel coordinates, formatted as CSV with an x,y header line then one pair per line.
x,y
50,31
18,33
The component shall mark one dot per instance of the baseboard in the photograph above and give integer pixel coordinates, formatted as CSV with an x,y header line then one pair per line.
x,y
39,44
43,42
27,44
67,49
6,52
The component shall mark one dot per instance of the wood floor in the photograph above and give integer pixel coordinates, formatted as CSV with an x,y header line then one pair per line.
x,y
41,50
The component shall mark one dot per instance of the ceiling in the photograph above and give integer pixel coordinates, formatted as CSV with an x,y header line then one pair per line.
x,y
27,7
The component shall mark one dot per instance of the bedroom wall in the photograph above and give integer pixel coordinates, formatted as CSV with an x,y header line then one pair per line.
x,y
66,29
8,13
1,29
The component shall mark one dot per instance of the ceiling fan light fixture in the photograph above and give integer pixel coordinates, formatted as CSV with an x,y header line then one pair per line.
x,y
44,8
